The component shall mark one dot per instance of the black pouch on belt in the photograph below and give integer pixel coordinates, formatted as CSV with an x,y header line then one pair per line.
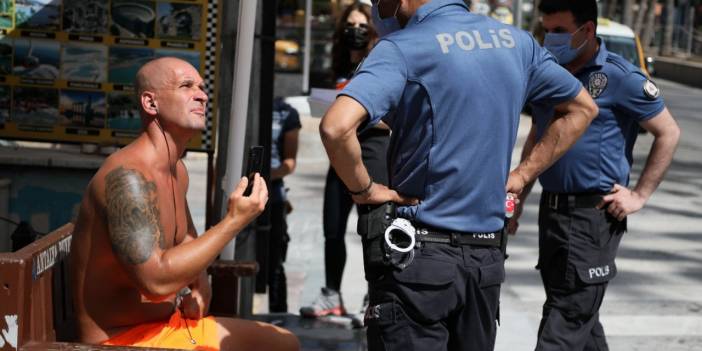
x,y
372,222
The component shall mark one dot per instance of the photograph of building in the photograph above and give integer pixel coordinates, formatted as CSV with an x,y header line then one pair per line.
x,y
85,16
132,18
179,21
82,109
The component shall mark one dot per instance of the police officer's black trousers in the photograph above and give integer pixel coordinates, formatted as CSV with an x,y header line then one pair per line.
x,y
447,299
577,247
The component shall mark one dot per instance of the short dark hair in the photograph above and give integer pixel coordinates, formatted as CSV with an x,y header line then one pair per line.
x,y
582,10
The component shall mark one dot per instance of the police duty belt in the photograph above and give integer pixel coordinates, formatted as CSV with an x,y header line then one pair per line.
x,y
401,238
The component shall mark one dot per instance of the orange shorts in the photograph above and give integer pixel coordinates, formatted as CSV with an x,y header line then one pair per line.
x,y
177,333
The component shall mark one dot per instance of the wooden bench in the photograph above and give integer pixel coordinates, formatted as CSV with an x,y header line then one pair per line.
x,y
35,298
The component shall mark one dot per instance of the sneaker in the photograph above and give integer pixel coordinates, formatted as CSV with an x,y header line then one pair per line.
x,y
327,303
357,319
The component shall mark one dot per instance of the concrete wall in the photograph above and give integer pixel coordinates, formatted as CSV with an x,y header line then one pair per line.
x,y
689,73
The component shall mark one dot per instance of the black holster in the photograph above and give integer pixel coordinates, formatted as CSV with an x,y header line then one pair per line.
x,y
372,222
505,239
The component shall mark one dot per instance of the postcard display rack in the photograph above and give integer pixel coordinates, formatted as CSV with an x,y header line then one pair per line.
x,y
67,66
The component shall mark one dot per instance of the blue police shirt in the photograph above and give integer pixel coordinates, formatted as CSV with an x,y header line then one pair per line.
x,y
456,83
603,155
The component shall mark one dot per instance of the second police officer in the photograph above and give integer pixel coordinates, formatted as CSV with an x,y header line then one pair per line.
x,y
585,202
450,85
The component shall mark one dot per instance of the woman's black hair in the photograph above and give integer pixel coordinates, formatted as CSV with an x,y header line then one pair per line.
x,y
342,66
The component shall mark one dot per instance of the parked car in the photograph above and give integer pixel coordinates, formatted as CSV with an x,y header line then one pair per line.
x,y
621,40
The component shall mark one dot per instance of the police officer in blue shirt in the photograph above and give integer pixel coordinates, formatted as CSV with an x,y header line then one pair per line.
x,y
583,208
451,85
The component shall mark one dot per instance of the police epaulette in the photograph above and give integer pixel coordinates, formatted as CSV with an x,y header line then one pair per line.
x,y
618,64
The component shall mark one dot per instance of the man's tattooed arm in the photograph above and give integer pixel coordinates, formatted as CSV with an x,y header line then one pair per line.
x,y
132,215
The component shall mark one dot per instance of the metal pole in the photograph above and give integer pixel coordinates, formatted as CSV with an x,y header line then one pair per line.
x,y
518,14
209,197
266,62
240,98
308,48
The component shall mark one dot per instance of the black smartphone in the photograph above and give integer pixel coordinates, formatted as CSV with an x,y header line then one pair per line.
x,y
254,165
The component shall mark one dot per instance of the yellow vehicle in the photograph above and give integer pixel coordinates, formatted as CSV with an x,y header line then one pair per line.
x,y
621,40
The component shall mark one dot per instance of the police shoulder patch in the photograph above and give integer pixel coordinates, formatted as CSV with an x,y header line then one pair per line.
x,y
651,90
597,84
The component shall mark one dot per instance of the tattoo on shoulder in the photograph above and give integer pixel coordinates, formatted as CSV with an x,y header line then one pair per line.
x,y
132,215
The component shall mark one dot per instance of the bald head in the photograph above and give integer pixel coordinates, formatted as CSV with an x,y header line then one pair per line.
x,y
156,74
171,92
158,77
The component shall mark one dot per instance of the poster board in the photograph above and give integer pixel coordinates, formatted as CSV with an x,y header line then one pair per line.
x,y
67,66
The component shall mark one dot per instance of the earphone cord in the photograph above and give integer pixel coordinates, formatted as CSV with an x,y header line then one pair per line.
x,y
175,212
170,179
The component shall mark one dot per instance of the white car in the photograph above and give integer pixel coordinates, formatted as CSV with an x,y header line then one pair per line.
x,y
621,40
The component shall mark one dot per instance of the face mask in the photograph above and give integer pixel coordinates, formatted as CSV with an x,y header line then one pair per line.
x,y
384,26
356,38
559,46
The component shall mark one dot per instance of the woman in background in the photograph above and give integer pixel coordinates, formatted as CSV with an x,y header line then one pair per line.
x,y
355,35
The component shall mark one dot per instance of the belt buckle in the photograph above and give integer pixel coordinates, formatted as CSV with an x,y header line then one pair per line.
x,y
419,241
454,239
553,201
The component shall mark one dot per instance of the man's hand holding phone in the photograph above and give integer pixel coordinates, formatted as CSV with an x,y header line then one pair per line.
x,y
249,198
254,165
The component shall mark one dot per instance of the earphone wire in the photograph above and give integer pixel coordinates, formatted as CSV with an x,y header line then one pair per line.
x,y
170,179
175,209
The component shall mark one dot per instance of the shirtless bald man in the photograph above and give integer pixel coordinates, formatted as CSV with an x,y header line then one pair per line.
x,y
135,247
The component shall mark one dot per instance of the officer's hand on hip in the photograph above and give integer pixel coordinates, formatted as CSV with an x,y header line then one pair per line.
x,y
622,202
379,193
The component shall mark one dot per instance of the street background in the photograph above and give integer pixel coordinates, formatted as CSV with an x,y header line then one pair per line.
x,y
655,302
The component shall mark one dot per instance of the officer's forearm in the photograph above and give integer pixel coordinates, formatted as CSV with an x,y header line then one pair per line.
x,y
658,161
557,139
526,150
571,121
345,157
338,132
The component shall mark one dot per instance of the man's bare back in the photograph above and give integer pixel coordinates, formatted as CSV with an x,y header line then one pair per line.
x,y
134,245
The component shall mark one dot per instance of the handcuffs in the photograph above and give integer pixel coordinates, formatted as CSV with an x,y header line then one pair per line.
x,y
397,233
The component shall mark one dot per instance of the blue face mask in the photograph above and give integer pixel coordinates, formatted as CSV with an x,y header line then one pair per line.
x,y
559,46
384,26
